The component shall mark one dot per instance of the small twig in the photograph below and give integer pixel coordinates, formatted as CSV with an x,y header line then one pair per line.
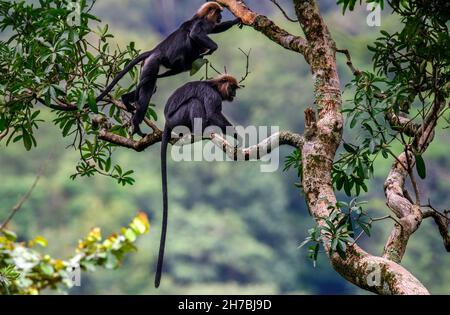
x,y
354,70
215,70
122,106
247,65
411,174
25,197
375,220
282,11
4,134
436,211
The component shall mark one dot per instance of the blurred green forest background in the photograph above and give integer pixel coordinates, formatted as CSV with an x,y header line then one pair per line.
x,y
232,229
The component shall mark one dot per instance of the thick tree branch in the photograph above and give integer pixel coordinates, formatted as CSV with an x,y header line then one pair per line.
x,y
253,152
4,134
266,26
403,124
442,221
409,214
261,149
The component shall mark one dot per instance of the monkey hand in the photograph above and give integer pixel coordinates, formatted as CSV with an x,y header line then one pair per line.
x,y
239,23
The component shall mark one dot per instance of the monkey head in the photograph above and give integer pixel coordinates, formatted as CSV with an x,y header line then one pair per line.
x,y
211,11
227,86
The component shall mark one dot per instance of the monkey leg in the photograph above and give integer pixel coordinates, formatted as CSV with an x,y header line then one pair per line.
x,y
144,92
197,115
128,99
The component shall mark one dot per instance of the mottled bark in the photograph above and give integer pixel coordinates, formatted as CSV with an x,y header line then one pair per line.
x,y
254,152
261,149
323,134
409,214
266,26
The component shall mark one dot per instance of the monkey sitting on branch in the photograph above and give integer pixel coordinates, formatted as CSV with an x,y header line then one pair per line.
x,y
176,53
194,101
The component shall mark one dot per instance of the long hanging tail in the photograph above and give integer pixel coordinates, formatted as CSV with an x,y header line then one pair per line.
x,y
121,74
165,141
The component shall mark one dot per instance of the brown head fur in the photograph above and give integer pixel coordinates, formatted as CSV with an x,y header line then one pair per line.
x,y
226,84
209,11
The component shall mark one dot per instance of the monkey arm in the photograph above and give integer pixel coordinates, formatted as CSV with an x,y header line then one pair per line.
x,y
169,73
219,120
200,37
225,26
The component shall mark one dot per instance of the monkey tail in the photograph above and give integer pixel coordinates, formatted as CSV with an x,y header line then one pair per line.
x,y
121,74
165,141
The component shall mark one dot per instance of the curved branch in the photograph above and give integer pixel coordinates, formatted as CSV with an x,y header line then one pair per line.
x,y
442,221
261,149
283,11
254,152
403,124
266,26
4,134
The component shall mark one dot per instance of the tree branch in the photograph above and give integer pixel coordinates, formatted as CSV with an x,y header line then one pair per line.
x,y
266,26
25,197
409,214
442,221
281,138
282,11
403,124
258,151
4,134
354,70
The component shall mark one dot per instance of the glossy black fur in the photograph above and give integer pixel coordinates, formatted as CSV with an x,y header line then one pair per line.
x,y
199,99
176,53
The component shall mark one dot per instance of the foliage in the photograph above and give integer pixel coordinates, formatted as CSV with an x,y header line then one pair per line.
x,y
412,71
74,62
294,161
339,230
350,4
23,270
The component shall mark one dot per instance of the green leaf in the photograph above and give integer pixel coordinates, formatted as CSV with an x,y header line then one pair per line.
x,y
41,241
92,102
10,235
47,269
197,65
130,235
420,166
27,142
111,261
82,100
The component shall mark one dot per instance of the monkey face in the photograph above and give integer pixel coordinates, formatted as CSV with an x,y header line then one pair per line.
x,y
227,86
229,91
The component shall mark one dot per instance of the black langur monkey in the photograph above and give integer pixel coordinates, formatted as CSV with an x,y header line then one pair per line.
x,y
194,100
176,53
